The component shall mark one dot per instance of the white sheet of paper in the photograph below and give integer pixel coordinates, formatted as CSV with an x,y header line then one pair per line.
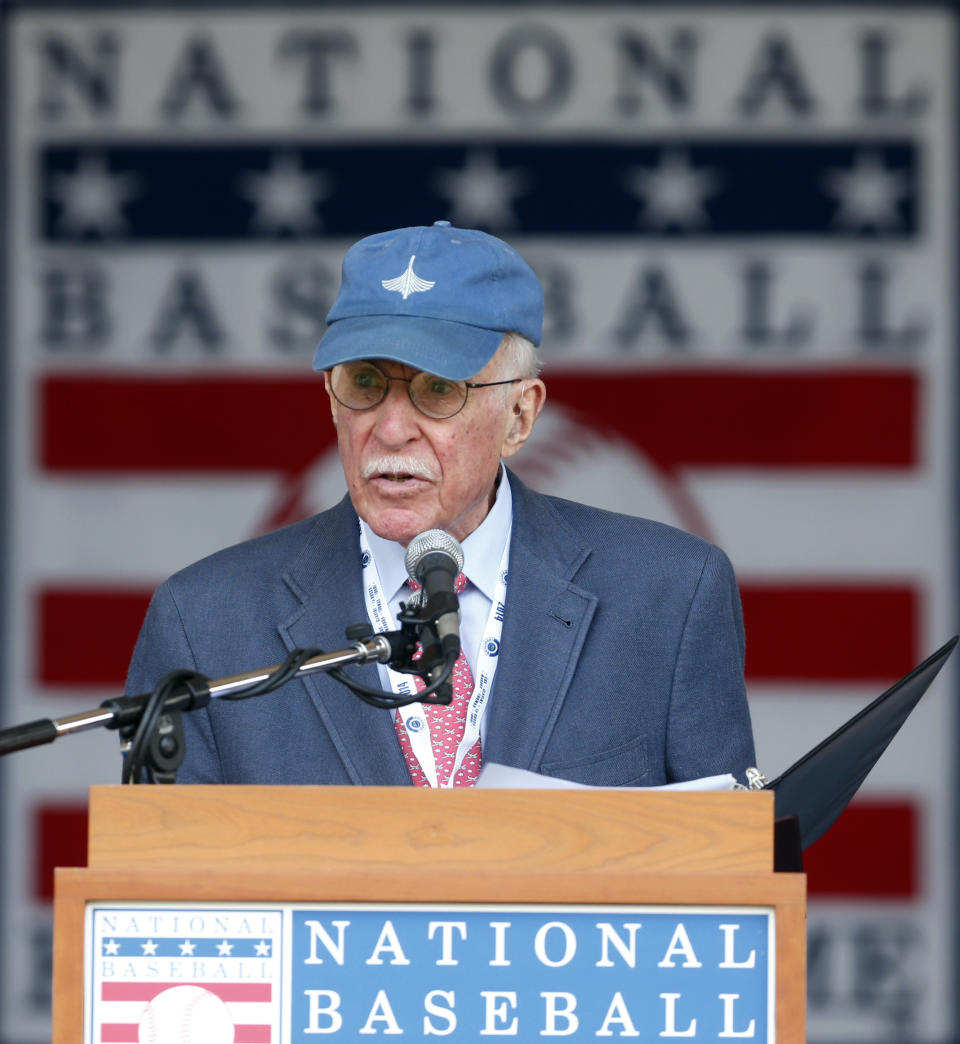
x,y
503,777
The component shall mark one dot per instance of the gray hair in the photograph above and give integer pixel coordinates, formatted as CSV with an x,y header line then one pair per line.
x,y
520,357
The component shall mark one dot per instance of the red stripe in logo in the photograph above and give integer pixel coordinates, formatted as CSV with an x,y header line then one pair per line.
x,y
129,1033
119,1033
226,991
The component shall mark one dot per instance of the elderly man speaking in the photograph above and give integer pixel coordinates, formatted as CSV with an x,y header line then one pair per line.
x,y
597,647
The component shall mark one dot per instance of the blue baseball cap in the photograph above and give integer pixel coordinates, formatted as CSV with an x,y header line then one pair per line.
x,y
436,298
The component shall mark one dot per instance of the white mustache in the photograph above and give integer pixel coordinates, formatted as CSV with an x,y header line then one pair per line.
x,y
398,464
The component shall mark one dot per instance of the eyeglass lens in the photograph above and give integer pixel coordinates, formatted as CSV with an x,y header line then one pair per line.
x,y
361,386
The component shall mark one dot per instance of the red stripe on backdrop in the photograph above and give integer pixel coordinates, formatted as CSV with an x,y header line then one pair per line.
x,y
720,418
724,418
871,852
184,424
830,632
59,839
824,632
86,635
226,991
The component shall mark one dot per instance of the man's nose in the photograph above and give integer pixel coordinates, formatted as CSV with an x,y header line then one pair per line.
x,y
397,419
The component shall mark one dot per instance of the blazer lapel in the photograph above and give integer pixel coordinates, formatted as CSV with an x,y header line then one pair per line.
x,y
545,624
326,580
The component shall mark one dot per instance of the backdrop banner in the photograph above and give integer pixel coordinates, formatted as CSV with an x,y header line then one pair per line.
x,y
744,221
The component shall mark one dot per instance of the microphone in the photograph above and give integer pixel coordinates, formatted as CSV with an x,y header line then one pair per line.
x,y
434,559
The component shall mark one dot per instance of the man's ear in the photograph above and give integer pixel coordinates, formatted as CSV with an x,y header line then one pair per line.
x,y
524,410
333,401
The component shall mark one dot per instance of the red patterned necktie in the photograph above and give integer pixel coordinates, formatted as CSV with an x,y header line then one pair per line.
x,y
446,726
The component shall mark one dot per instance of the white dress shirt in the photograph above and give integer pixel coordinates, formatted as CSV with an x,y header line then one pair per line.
x,y
482,551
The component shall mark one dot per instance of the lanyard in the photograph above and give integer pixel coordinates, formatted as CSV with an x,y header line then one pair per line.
x,y
378,611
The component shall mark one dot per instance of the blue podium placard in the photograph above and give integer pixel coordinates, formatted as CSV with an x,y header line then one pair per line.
x,y
295,973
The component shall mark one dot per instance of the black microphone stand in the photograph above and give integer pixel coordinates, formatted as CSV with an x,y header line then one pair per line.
x,y
150,723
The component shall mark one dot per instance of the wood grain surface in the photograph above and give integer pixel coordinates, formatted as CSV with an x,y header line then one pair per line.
x,y
370,828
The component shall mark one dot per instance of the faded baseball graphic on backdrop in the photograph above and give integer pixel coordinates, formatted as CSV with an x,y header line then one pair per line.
x,y
565,457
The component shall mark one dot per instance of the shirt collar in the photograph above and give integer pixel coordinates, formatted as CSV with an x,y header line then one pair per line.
x,y
482,549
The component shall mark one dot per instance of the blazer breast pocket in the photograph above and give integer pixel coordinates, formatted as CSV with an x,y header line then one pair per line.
x,y
625,765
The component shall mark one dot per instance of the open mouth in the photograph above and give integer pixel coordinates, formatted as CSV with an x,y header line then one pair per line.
x,y
397,469
399,478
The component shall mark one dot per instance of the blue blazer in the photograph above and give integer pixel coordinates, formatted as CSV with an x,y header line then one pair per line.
x,y
621,659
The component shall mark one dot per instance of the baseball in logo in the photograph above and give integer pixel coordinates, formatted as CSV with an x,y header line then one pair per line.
x,y
186,1015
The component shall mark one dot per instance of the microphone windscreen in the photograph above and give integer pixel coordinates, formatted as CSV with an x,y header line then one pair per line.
x,y
430,542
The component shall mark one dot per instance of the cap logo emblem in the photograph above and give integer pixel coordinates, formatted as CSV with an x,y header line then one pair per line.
x,y
408,283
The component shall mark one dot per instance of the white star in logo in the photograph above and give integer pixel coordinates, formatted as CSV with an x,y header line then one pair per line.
x,y
92,197
111,948
262,948
480,193
187,948
149,948
224,949
868,193
285,197
673,192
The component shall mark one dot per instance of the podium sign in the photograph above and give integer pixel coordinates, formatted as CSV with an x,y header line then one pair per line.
x,y
263,973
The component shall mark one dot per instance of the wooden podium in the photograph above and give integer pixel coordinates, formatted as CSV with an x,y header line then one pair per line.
x,y
395,845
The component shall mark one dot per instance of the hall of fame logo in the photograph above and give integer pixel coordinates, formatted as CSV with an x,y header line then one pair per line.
x,y
182,974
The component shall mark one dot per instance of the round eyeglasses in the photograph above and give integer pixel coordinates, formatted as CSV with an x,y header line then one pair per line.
x,y
362,385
